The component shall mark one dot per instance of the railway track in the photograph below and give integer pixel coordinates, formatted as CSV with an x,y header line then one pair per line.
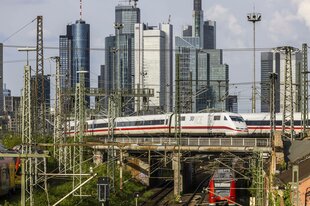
x,y
159,196
198,197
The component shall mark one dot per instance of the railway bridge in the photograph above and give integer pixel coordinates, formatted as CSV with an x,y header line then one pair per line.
x,y
194,144
149,158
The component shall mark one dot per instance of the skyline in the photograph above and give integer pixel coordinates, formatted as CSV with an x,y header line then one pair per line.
x,y
290,22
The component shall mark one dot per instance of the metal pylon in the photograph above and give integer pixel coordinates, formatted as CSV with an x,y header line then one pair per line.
x,y
177,134
39,96
35,168
288,100
305,84
79,132
111,152
257,167
27,192
59,123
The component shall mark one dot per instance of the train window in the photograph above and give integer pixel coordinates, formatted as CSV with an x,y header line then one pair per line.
x,y
236,119
183,118
101,125
149,122
225,118
191,118
138,123
217,118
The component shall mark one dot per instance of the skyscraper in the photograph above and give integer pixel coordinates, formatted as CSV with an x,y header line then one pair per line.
x,y
275,63
153,64
47,89
197,30
119,65
209,35
1,79
204,77
270,63
75,54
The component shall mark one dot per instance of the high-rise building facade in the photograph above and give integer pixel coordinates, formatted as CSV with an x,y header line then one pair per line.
x,y
47,89
6,92
74,52
232,103
203,76
275,63
119,56
1,79
153,65
270,63
209,35
197,30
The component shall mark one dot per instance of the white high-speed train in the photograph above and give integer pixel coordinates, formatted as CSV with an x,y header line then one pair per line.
x,y
192,124
259,123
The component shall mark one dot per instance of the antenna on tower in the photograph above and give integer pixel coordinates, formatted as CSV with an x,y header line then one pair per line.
x,y
169,19
81,9
135,4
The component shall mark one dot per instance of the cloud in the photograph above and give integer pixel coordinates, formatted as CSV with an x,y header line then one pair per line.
x,y
229,24
282,26
303,8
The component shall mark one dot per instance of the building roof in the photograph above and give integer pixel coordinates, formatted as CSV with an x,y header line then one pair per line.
x,y
299,150
304,172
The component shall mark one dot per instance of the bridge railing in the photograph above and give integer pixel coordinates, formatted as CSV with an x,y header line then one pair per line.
x,y
212,142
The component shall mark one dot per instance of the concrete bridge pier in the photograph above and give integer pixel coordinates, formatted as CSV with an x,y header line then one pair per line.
x,y
177,175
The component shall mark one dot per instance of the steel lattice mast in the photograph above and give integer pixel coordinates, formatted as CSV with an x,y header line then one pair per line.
x,y
39,96
305,83
58,122
27,184
79,131
288,99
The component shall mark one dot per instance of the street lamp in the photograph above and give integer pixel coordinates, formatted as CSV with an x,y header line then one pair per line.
x,y
27,49
136,196
254,17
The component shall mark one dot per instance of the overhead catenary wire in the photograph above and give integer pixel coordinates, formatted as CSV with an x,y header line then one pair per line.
x,y
23,27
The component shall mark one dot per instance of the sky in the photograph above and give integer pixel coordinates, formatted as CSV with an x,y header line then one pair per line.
x,y
284,22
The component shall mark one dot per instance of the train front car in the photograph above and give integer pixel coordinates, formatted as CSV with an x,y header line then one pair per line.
x,y
222,188
213,124
237,123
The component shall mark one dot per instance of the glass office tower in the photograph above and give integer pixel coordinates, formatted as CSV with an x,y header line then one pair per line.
x,y
74,52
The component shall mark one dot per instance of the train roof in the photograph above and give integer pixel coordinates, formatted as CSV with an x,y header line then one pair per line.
x,y
266,116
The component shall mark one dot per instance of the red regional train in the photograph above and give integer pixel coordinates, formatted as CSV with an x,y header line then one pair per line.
x,y
222,188
9,173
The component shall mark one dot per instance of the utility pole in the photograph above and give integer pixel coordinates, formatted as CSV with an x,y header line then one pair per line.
x,y
254,17
288,100
257,166
295,184
28,169
30,166
273,77
58,121
305,84
177,135
79,132
39,96
119,73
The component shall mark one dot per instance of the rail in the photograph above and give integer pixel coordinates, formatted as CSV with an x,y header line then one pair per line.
x,y
205,142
